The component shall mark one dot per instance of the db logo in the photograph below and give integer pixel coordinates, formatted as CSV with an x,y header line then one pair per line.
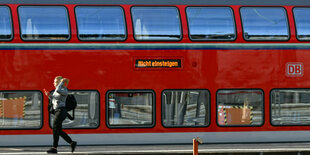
x,y
294,69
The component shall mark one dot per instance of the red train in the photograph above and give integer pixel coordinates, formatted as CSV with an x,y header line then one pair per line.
x,y
157,72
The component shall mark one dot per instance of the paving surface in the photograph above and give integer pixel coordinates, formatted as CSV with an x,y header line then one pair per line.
x,y
218,149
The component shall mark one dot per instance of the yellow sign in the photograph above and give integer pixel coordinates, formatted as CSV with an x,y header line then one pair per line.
x,y
158,63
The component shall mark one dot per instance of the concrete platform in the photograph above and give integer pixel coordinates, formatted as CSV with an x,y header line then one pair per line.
x,y
207,149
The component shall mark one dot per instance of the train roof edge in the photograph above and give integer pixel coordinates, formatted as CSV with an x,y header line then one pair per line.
x,y
165,2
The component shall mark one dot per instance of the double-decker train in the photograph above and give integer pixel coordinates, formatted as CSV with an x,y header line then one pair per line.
x,y
157,72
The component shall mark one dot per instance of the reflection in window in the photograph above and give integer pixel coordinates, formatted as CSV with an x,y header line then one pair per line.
x,y
20,109
44,22
86,114
211,23
302,21
100,23
240,107
290,107
185,108
262,23
156,23
5,23
134,108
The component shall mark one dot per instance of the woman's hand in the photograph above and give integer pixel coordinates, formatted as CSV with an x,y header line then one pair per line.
x,y
46,92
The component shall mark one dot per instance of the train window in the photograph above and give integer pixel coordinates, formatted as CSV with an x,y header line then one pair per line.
x,y
149,23
6,32
301,16
185,108
100,23
240,107
21,110
86,114
130,109
44,22
211,23
290,107
264,23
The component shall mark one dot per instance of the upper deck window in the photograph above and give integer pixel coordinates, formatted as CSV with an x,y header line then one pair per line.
x,y
100,23
211,23
302,21
44,22
264,23
156,23
5,23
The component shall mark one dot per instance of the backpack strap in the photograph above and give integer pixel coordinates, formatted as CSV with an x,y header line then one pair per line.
x,y
69,116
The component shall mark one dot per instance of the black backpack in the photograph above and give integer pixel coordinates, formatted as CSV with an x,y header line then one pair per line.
x,y
71,105
70,102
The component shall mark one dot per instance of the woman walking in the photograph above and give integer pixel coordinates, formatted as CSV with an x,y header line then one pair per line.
x,y
59,106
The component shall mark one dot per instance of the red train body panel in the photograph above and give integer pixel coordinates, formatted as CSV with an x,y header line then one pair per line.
x,y
104,66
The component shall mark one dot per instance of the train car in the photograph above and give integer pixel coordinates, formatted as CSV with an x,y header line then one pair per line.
x,y
157,72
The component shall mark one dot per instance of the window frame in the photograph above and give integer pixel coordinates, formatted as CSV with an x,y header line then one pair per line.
x,y
11,21
101,6
161,40
210,40
266,40
270,106
41,109
179,126
295,24
77,90
242,89
45,40
152,125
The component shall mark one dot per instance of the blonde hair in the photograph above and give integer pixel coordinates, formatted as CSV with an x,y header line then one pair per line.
x,y
66,81
58,78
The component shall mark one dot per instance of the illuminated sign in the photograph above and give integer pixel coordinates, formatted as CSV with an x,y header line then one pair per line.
x,y
158,63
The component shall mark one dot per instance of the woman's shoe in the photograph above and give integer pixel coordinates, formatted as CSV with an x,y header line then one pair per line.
x,y
73,145
52,150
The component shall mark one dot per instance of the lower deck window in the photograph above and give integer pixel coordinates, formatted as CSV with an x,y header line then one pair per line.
x,y
185,108
131,109
181,108
290,107
240,107
20,110
86,114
